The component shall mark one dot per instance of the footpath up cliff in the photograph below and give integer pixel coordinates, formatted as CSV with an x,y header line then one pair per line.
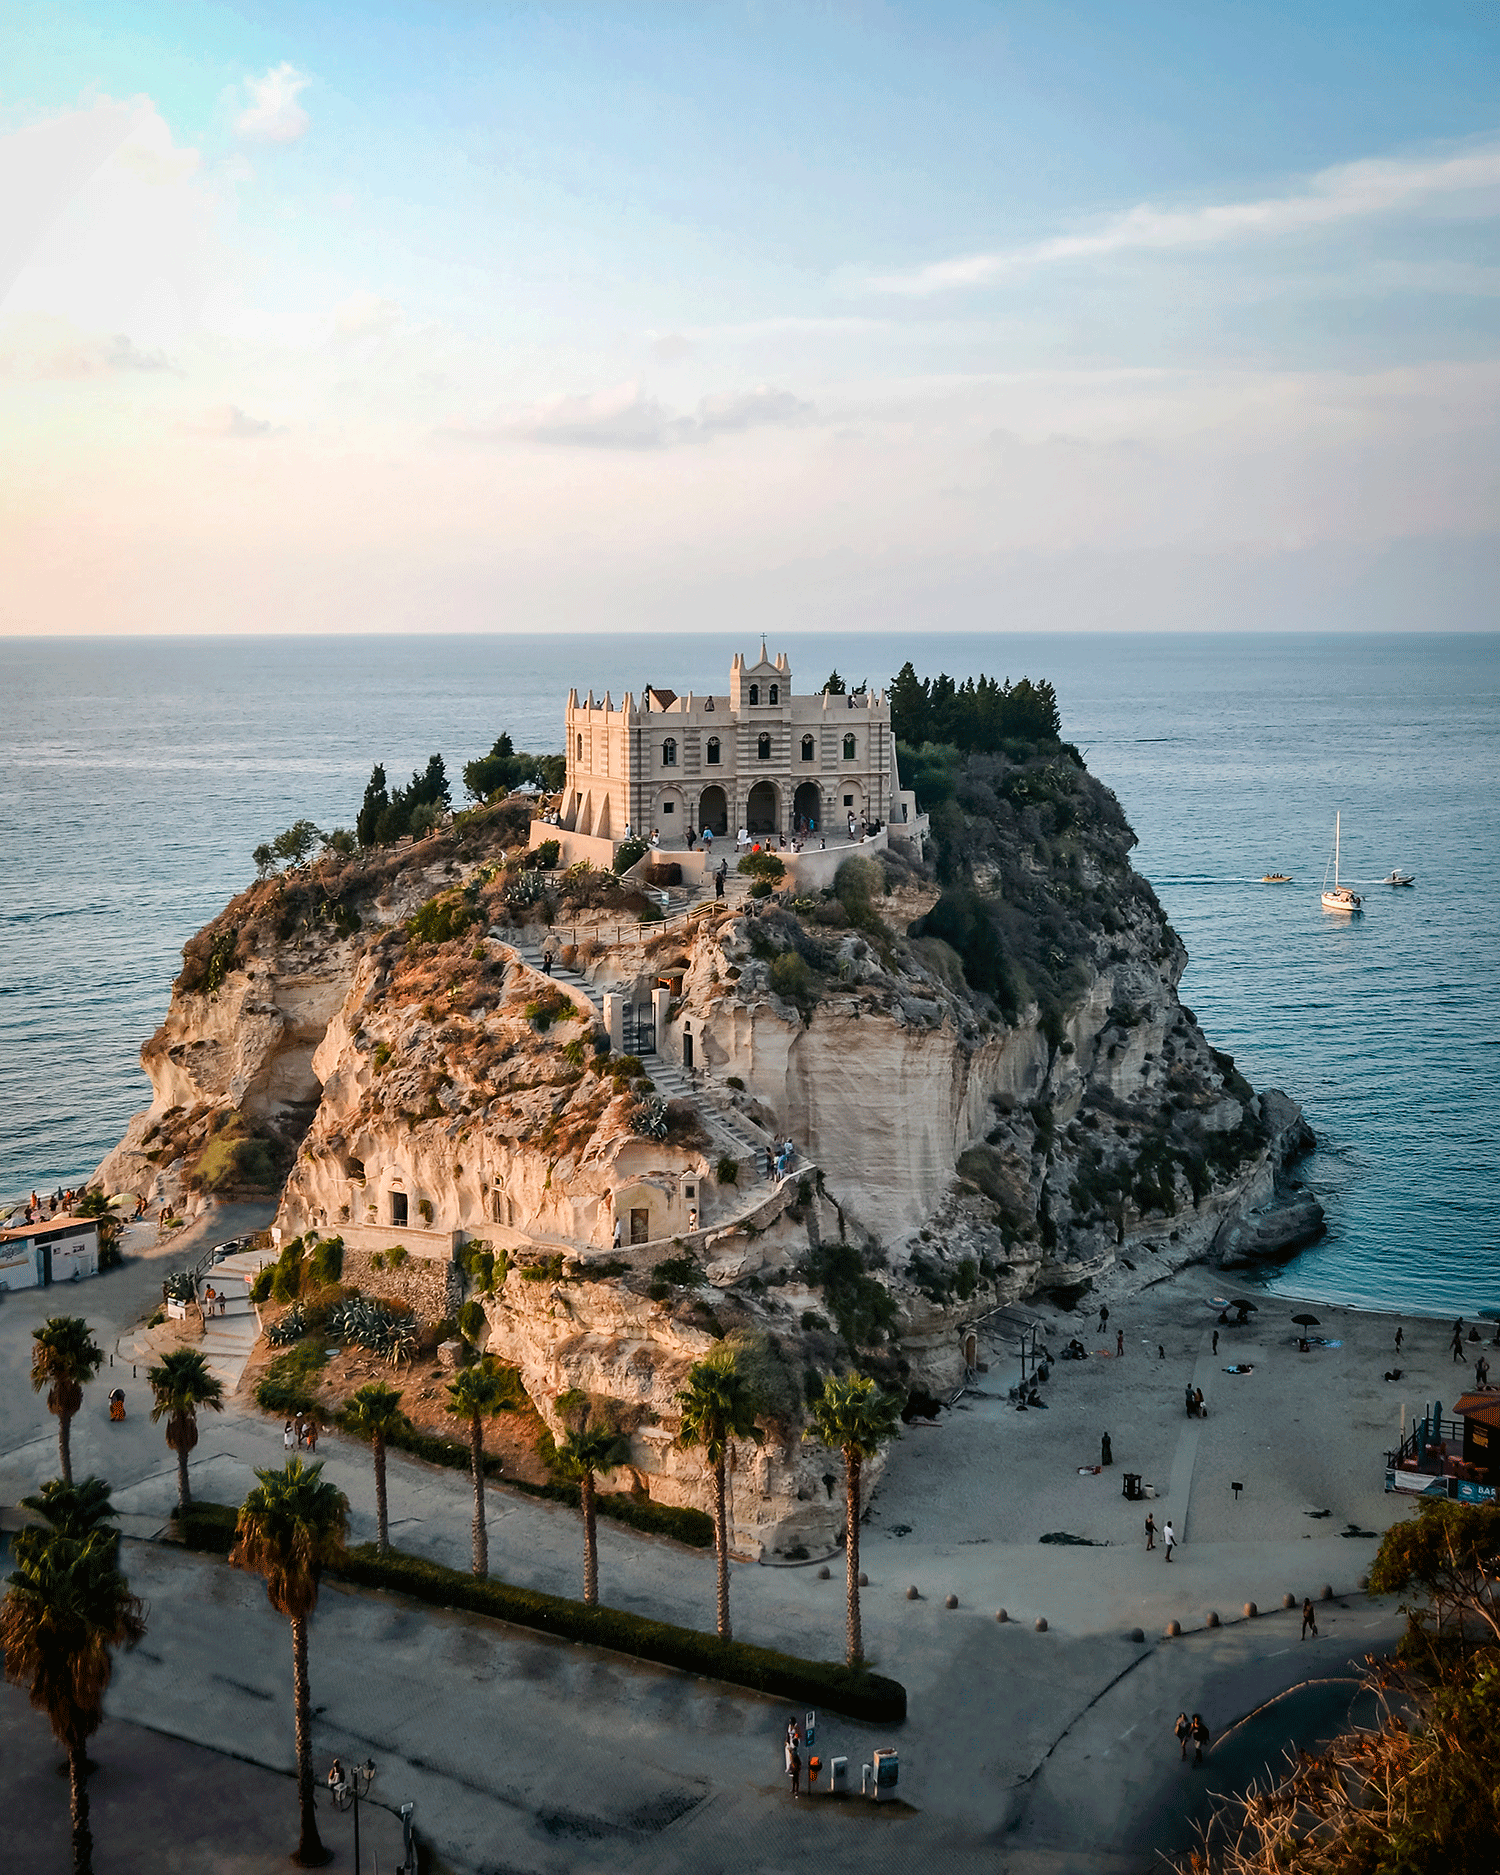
x,y
981,1058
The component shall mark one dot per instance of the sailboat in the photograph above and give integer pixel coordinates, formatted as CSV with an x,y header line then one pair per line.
x,y
1338,897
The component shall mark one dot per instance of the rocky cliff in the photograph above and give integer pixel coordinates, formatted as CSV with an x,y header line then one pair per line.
x,y
981,1058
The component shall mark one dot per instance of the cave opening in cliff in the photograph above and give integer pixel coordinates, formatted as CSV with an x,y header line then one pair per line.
x,y
398,1209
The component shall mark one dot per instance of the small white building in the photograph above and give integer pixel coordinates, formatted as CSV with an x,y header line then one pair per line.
x,y
57,1250
760,757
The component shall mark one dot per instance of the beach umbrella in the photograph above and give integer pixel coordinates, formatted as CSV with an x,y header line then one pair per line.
x,y
1244,1307
1307,1321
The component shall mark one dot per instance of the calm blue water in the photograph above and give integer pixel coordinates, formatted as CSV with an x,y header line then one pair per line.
x,y
137,776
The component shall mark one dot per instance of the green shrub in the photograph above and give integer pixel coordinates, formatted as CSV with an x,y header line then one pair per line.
x,y
447,916
728,1170
792,980
286,1387
858,1693
260,1289
629,852
328,1260
762,888
769,866
472,1320
681,1272
207,1527
546,854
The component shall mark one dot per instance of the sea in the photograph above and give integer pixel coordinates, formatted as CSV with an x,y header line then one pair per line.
x,y
138,775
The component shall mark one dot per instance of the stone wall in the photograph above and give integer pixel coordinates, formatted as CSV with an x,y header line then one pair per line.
x,y
432,1289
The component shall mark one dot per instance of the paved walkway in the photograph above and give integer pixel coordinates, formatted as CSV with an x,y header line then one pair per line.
x,y
512,1744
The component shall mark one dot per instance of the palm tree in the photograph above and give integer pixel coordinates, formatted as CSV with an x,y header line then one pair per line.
x,y
476,1392
580,1455
181,1384
375,1414
717,1407
66,1608
853,1416
291,1527
71,1510
65,1358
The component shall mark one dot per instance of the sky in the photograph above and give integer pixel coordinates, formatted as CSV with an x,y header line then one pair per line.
x,y
468,316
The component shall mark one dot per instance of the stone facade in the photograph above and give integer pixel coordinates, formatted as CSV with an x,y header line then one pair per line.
x,y
760,758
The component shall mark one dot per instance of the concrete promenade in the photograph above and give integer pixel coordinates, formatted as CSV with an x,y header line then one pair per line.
x,y
1024,1750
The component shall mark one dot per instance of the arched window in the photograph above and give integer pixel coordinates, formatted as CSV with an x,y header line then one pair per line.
x,y
763,748
580,748
807,748
669,752
775,693
755,693
713,751
848,748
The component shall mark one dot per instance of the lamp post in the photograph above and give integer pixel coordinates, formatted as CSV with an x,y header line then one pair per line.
x,y
346,1788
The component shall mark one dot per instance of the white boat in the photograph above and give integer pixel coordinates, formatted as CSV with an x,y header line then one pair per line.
x,y
1338,897
1399,878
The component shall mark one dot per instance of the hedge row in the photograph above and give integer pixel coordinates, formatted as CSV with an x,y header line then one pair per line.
x,y
695,1528
207,1527
862,1695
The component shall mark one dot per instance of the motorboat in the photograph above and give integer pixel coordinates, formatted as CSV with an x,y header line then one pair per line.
x,y
1276,878
1399,878
1339,897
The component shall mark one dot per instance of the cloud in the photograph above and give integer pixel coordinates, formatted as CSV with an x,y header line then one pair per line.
x,y
365,315
1349,192
671,347
229,421
38,346
625,417
273,114
717,415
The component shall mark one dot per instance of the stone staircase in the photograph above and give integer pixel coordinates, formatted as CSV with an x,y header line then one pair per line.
x,y
229,1338
730,1133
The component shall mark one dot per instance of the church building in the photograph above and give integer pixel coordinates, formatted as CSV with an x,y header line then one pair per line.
x,y
760,758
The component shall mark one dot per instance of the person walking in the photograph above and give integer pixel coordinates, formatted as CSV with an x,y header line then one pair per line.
x,y
1169,1539
1482,1374
1183,1731
1458,1341
1192,1406
1309,1619
1150,1531
1399,1332
547,961
1216,1341
794,1770
1119,1344
1200,1739
288,1438
1103,1317
1106,1451
1198,1406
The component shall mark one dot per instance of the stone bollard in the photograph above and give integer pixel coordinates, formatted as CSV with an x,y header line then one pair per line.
x,y
951,1601
1040,1624
1137,1635
1212,1621
450,1356
864,1580
1251,1611
1364,1582
1172,1630
1001,1615
1325,1594
823,1572
911,1593
1289,1601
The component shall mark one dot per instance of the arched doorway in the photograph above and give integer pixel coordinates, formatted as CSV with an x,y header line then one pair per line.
x,y
760,809
713,810
807,805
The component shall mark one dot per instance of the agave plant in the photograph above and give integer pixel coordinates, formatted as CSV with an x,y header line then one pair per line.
x,y
363,1322
289,1327
650,1119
